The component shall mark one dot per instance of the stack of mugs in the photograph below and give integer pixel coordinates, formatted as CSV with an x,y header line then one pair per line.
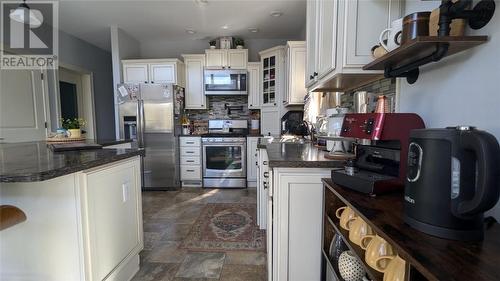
x,y
379,254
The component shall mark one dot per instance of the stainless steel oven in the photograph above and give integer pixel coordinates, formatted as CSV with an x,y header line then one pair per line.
x,y
224,162
225,82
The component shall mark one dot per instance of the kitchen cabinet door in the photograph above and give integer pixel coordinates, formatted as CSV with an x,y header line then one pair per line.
x,y
270,122
253,85
363,21
252,158
114,215
162,73
215,58
237,58
135,73
195,95
311,38
296,67
327,36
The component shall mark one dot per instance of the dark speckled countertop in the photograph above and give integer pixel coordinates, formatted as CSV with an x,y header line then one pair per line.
x,y
34,161
296,155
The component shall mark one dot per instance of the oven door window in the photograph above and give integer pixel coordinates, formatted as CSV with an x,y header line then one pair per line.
x,y
222,81
223,158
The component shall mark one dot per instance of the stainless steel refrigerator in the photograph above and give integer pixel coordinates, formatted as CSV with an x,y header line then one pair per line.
x,y
150,114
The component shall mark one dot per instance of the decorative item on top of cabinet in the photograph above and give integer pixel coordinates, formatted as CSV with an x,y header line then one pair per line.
x,y
406,60
254,85
226,58
195,95
295,69
273,76
150,71
340,36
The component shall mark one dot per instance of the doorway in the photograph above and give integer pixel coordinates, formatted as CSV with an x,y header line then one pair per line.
x,y
75,98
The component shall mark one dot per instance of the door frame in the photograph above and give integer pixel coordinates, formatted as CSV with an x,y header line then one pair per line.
x,y
87,97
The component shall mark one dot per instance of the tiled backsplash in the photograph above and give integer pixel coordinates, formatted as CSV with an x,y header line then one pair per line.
x,y
217,110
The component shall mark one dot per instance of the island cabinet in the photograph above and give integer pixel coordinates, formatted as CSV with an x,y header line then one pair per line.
x,y
425,257
340,36
83,226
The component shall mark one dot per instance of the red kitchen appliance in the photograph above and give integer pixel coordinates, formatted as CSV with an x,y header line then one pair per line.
x,y
380,165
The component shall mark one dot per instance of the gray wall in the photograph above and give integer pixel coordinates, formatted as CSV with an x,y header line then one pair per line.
x,y
76,52
174,49
461,89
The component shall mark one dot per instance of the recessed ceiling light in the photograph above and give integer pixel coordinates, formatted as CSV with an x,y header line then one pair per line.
x,y
276,14
253,29
201,2
225,26
190,31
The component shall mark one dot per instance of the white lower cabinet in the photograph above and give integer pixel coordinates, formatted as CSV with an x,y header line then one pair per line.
x,y
85,226
252,160
296,199
191,160
262,190
112,216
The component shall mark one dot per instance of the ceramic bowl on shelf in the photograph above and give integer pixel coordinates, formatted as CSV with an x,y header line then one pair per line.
x,y
350,267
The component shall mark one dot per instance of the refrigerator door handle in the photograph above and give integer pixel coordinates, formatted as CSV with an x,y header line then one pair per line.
x,y
140,123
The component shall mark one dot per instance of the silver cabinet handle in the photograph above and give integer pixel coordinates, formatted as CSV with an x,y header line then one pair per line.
x,y
190,152
265,185
190,161
189,170
266,175
190,142
264,163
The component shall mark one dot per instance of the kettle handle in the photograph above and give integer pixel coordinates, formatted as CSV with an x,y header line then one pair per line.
x,y
487,151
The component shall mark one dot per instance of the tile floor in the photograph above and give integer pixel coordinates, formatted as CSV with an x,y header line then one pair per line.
x,y
168,217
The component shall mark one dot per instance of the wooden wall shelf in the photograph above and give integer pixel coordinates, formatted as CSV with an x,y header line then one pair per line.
x,y
344,82
10,216
423,46
429,257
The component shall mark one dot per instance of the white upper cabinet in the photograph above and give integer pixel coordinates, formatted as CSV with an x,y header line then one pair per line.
x,y
154,71
162,73
295,67
237,58
226,58
195,96
311,22
341,33
273,76
253,85
327,38
135,73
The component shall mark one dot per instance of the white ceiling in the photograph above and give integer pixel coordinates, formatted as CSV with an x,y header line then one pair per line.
x,y
161,19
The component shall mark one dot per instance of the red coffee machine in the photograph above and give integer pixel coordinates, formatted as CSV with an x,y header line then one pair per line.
x,y
381,151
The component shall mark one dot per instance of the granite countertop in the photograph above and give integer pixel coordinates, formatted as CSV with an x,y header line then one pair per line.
x,y
296,155
108,142
34,161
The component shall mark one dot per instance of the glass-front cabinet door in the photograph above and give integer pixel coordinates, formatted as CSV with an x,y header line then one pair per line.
x,y
269,79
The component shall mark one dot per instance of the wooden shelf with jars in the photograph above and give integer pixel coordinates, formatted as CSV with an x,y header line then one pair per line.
x,y
426,257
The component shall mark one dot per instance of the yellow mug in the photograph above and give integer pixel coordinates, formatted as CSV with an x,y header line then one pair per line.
x,y
346,217
359,229
376,247
396,268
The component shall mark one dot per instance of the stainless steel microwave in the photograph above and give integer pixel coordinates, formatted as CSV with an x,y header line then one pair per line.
x,y
225,82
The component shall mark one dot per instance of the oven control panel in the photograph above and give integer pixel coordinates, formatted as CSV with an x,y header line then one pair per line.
x,y
222,140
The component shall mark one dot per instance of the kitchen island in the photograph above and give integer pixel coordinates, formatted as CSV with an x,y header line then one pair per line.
x,y
290,198
83,213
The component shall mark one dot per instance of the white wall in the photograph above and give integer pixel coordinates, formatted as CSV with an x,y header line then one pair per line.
x,y
461,89
123,46
174,49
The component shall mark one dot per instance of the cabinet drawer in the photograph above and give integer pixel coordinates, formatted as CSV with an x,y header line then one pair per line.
x,y
185,160
190,172
190,141
190,151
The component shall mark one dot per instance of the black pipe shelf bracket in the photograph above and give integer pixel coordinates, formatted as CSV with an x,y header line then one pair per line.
x,y
478,17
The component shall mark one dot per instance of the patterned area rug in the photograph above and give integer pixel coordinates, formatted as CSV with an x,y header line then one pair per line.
x,y
226,227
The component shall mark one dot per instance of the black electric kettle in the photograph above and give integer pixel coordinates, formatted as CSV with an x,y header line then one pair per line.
x,y
453,177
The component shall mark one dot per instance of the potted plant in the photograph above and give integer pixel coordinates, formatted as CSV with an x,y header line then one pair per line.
x,y
73,127
212,43
239,43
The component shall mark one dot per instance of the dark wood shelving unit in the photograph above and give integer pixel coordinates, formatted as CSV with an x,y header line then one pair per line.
x,y
428,257
358,251
423,46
